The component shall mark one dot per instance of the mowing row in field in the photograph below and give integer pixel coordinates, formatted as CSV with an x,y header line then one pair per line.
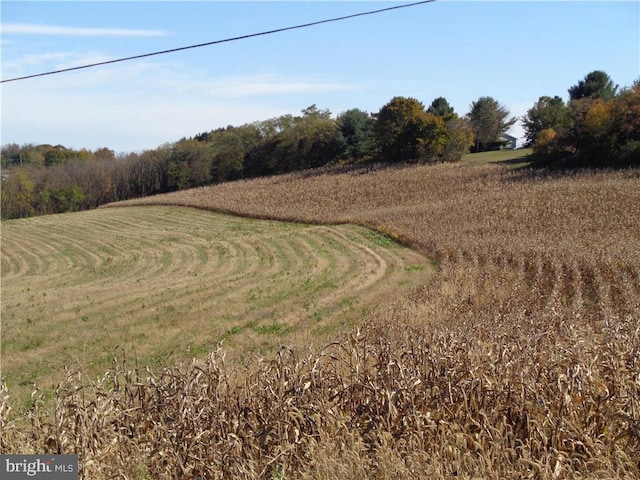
x,y
168,281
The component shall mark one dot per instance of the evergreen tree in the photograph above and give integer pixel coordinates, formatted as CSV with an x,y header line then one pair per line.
x,y
356,127
596,84
441,108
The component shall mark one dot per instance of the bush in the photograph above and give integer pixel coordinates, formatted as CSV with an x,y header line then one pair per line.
x,y
546,142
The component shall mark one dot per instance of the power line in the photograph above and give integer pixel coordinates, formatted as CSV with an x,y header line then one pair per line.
x,y
269,32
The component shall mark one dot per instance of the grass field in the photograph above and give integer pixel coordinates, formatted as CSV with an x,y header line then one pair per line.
x,y
520,358
514,158
162,284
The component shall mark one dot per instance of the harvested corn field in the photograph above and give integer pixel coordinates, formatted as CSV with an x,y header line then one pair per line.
x,y
521,243
521,359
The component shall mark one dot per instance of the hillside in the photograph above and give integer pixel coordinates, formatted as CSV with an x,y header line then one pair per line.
x,y
482,211
165,284
520,360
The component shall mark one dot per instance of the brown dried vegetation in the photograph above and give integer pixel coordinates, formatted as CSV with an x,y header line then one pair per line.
x,y
520,360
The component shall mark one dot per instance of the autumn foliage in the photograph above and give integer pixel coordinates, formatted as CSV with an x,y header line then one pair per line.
x,y
597,127
63,180
546,141
519,360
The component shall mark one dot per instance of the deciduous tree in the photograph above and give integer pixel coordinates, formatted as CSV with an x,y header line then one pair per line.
x,y
459,139
546,142
189,164
230,147
17,195
546,113
489,120
400,129
104,154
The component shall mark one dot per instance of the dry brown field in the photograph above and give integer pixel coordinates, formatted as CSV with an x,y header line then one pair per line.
x,y
520,360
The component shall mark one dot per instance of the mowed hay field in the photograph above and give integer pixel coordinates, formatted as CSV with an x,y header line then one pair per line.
x,y
520,359
161,284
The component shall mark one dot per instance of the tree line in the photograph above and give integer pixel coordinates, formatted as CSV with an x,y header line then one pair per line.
x,y
43,179
597,124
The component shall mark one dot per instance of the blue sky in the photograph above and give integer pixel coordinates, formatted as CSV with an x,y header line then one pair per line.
x,y
514,51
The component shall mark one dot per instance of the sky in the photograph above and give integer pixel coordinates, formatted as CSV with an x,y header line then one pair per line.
x,y
513,51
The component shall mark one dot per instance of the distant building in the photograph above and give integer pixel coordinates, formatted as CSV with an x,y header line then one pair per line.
x,y
509,142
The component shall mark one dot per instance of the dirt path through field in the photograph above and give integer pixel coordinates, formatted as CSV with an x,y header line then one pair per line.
x,y
159,282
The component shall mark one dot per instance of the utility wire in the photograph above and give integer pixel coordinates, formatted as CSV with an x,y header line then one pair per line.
x,y
269,32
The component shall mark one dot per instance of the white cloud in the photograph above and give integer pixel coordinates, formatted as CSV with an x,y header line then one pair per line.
x,y
34,63
264,84
34,29
142,104
59,59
